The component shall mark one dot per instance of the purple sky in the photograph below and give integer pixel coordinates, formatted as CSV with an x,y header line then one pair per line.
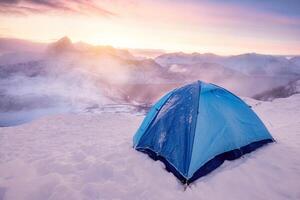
x,y
233,27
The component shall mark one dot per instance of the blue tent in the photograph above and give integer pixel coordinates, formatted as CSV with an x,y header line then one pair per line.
x,y
193,129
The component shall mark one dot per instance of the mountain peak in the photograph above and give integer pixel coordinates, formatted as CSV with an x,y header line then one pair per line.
x,y
61,45
64,41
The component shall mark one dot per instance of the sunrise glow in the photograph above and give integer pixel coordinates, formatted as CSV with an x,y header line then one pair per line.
x,y
203,26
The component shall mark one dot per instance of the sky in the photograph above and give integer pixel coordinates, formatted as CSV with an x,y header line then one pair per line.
x,y
222,27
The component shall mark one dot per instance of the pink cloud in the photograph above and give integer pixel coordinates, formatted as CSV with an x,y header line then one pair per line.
x,y
27,7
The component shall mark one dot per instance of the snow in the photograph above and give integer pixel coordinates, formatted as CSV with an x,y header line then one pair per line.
x,y
90,156
75,76
248,64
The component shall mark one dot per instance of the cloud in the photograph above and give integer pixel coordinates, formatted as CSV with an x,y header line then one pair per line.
x,y
27,7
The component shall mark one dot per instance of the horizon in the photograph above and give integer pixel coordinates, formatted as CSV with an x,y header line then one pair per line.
x,y
231,28
151,51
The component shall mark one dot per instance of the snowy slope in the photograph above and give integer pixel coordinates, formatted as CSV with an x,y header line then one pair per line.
x,y
280,92
248,64
89,156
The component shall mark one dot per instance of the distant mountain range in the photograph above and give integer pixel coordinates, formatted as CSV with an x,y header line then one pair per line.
x,y
248,64
72,74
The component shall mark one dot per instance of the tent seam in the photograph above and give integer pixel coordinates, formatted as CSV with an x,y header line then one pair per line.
x,y
195,127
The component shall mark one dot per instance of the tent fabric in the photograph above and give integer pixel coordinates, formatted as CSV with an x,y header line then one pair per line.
x,y
149,117
193,129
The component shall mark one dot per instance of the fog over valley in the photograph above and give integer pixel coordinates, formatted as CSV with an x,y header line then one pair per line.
x,y
39,78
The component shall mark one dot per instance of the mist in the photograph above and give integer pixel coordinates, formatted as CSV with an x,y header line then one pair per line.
x,y
76,77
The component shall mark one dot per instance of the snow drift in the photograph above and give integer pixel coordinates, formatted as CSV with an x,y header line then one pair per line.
x,y
90,156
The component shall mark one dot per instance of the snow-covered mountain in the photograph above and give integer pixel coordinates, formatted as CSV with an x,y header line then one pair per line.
x,y
241,73
184,58
248,64
76,76
295,60
280,92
